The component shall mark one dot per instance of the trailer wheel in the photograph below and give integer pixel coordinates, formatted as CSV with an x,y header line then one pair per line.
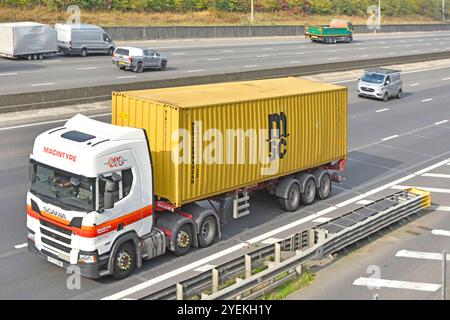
x,y
183,240
333,40
40,56
207,232
309,194
124,261
29,57
324,189
292,202
350,39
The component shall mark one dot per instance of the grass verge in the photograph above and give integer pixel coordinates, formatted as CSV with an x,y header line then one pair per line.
x,y
291,286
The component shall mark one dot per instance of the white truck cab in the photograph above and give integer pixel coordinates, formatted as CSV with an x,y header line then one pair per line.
x,y
91,198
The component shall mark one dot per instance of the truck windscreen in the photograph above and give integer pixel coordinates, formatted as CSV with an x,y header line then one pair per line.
x,y
63,189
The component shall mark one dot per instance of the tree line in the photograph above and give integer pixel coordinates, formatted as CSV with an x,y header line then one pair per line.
x,y
431,8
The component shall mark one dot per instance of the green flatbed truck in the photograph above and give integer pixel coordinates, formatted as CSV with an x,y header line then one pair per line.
x,y
337,31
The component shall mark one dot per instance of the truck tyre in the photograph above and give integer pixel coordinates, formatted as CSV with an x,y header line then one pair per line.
x,y
333,40
183,240
309,194
400,94
84,52
124,261
40,56
326,40
207,232
324,189
29,57
386,97
292,202
350,39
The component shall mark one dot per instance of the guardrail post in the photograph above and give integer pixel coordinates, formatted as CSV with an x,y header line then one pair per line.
x,y
248,266
321,236
204,296
277,253
215,280
311,237
180,292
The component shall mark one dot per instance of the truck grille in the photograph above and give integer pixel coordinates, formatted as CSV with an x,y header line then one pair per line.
x,y
56,228
55,237
55,245
367,89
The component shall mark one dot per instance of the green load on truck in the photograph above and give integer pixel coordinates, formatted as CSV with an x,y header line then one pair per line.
x,y
338,31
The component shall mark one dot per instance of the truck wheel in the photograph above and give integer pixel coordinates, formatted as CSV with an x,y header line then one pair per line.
x,y
309,193
326,40
29,57
183,240
292,202
124,261
207,232
40,56
333,40
84,52
324,189
350,39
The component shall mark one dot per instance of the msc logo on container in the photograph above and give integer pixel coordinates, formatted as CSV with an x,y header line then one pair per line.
x,y
278,134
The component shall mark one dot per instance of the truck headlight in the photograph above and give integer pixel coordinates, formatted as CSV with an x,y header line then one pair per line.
x,y
87,258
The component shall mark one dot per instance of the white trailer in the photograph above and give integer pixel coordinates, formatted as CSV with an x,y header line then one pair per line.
x,y
27,40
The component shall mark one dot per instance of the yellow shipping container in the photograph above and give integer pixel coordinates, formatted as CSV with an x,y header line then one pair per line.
x,y
208,140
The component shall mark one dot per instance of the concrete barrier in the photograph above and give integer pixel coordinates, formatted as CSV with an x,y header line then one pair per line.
x,y
193,32
54,98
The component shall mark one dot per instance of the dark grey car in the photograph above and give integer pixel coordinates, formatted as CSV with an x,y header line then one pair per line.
x,y
138,59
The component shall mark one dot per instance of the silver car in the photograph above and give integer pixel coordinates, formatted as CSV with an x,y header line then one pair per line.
x,y
380,83
138,59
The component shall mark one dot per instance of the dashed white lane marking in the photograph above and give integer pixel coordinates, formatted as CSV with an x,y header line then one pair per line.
x,y
445,79
263,56
421,255
427,100
395,284
382,110
8,74
436,175
440,208
175,272
204,268
214,59
196,70
300,53
391,53
250,66
437,190
271,241
43,84
415,51
439,232
333,58
126,77
390,138
322,220
414,84
20,246
364,56
387,47
296,61
269,234
364,202
178,53
87,68
267,49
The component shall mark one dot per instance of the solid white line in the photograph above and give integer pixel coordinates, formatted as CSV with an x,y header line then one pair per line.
x,y
390,138
436,175
437,190
250,66
204,268
421,255
439,232
414,84
87,68
47,122
415,51
20,246
43,84
173,273
395,284
382,110
364,56
427,100
432,167
391,53
126,77
440,208
271,241
178,53
334,58
364,202
9,74
197,70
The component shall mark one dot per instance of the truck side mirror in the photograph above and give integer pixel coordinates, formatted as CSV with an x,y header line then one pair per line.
x,y
110,189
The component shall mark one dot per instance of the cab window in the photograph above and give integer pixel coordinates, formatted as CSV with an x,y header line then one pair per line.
x,y
123,186
106,38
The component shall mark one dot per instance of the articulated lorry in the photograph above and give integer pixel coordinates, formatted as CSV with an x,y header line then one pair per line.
x,y
105,197
28,40
338,31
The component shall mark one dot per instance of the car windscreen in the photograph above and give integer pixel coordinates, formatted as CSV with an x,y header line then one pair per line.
x,y
123,52
373,77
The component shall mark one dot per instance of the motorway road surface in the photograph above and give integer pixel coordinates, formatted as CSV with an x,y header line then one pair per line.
x,y
201,57
387,142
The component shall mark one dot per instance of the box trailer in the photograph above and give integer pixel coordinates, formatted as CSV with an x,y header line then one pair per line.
x,y
27,40
106,196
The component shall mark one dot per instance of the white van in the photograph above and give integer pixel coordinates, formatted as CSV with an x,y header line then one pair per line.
x,y
83,39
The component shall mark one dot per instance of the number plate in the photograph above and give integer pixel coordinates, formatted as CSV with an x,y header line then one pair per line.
x,y
121,62
55,261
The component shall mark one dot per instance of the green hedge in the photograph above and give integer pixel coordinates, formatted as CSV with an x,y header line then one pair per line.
x,y
430,8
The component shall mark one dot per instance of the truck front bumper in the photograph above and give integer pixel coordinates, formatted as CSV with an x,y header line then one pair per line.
x,y
90,270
